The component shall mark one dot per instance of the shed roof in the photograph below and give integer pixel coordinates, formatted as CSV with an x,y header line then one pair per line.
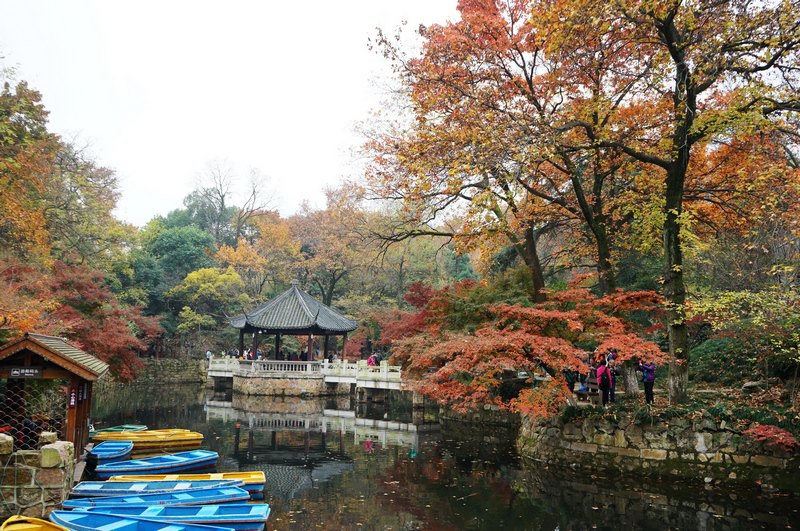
x,y
294,311
58,351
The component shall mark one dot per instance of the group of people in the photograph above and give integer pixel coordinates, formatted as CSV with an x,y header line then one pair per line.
x,y
376,358
604,372
249,354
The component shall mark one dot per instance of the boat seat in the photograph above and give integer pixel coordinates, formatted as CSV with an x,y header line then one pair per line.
x,y
121,524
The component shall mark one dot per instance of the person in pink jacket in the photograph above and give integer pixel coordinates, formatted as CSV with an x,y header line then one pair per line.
x,y
604,380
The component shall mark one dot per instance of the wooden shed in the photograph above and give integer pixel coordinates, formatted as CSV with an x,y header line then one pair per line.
x,y
46,385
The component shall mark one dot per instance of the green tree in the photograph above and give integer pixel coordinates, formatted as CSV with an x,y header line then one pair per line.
x,y
181,250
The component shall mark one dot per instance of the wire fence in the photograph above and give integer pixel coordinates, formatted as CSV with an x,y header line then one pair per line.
x,y
30,407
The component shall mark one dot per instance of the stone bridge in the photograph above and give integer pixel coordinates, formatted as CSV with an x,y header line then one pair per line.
x,y
383,376
306,375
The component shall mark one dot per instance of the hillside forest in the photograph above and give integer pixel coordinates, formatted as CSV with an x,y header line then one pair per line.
x,y
553,181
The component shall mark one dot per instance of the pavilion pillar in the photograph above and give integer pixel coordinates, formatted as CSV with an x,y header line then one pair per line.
x,y
255,343
344,344
241,341
310,347
325,347
278,346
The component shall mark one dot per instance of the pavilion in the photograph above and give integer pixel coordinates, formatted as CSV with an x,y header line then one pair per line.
x,y
46,386
294,313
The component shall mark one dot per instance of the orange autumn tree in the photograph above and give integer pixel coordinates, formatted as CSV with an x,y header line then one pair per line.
x,y
27,151
464,352
702,73
486,141
56,212
586,98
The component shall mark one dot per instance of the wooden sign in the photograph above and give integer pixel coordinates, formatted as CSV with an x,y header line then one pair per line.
x,y
25,372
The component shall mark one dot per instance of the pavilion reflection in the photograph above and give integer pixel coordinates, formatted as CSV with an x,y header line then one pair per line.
x,y
300,443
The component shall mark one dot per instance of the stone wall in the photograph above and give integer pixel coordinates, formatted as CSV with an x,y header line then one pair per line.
x,y
700,450
34,482
173,370
289,384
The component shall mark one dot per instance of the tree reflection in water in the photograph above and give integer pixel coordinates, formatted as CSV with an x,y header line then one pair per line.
x,y
322,475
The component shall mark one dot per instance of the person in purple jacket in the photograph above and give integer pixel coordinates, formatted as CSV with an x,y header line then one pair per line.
x,y
648,369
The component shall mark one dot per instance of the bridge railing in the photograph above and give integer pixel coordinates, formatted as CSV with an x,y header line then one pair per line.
x,y
223,364
340,368
343,368
360,370
384,371
261,366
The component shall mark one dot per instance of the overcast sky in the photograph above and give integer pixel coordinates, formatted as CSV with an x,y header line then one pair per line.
x,y
157,89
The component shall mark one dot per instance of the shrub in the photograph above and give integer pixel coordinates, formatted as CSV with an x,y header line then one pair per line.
x,y
773,436
723,361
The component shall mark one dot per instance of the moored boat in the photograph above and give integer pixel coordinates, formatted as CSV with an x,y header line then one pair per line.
x,y
254,482
85,521
191,460
109,452
183,497
124,488
28,523
114,429
238,516
155,439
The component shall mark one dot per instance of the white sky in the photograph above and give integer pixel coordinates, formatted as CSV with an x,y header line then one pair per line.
x,y
157,89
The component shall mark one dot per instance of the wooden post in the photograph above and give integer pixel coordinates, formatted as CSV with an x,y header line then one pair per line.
x,y
344,344
310,347
325,347
241,341
72,409
82,416
277,346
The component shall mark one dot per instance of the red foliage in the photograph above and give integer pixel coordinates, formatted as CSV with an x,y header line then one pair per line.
x,y
94,320
418,295
355,342
403,324
467,370
773,436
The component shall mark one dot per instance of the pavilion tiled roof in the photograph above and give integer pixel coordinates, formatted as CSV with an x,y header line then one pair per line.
x,y
292,310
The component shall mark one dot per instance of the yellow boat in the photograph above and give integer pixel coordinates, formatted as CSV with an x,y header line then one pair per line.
x,y
27,523
155,439
248,478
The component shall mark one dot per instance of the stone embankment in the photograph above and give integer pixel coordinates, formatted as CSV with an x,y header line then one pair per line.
x,y
34,482
699,449
173,370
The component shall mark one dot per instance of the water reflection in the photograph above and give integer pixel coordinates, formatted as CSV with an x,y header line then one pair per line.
x,y
332,464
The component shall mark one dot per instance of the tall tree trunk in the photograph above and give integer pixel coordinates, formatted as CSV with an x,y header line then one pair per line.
x,y
605,271
674,286
684,101
531,257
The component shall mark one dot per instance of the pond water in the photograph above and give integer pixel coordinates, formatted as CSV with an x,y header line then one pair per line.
x,y
333,465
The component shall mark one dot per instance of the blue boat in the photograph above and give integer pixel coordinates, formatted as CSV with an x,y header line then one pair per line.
x,y
126,488
181,497
238,516
160,464
109,452
84,521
